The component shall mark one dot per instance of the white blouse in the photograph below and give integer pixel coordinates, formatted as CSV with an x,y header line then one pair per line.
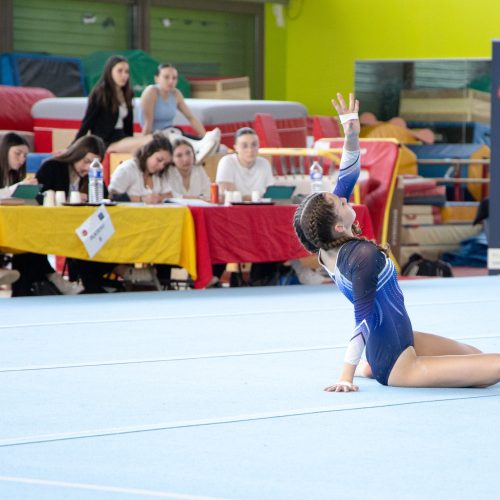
x,y
199,182
128,178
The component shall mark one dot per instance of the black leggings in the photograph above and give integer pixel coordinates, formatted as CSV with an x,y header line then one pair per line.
x,y
34,267
91,273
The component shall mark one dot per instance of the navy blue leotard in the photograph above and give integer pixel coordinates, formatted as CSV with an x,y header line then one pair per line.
x,y
368,278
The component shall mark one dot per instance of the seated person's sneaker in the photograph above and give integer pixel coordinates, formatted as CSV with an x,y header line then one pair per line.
x,y
140,274
8,276
64,286
208,145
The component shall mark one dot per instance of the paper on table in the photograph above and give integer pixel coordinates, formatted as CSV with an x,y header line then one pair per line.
x,y
96,231
194,202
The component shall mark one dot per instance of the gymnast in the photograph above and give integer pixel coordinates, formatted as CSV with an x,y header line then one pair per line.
x,y
364,273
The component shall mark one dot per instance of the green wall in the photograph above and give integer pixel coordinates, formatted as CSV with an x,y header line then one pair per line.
x,y
313,56
57,27
204,43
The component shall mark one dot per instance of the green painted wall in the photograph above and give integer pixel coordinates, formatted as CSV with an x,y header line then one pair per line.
x,y
57,27
313,56
204,43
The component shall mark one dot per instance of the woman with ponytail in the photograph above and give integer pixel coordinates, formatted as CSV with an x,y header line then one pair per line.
x,y
396,355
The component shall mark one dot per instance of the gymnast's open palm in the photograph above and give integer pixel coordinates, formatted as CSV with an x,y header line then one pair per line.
x,y
351,126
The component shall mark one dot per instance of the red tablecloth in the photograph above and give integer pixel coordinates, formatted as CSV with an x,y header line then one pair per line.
x,y
254,233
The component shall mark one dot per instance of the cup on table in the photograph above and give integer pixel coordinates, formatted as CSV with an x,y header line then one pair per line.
x,y
237,198
75,197
49,198
228,197
60,198
255,196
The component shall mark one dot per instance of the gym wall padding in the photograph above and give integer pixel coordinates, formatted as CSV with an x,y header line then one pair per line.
x,y
15,111
63,76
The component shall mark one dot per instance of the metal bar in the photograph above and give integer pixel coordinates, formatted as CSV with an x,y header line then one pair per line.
x,y
457,161
459,180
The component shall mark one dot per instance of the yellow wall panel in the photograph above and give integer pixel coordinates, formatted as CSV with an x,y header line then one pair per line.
x,y
314,54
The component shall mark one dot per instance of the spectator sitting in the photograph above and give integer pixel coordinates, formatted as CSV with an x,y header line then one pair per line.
x,y
110,112
191,181
69,172
143,177
159,105
245,171
160,102
33,268
13,153
186,178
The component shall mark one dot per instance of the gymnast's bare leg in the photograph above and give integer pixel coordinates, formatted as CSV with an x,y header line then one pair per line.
x,y
427,344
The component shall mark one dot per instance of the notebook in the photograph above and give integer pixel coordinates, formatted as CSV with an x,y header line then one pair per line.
x,y
28,193
279,194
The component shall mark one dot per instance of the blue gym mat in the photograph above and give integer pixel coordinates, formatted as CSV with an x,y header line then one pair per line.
x,y
219,394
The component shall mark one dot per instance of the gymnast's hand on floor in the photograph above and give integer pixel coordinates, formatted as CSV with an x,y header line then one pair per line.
x,y
342,386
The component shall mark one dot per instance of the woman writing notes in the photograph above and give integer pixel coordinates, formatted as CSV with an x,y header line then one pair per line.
x,y
143,178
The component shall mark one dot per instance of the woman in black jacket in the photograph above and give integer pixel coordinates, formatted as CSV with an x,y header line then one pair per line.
x,y
110,109
69,171
109,112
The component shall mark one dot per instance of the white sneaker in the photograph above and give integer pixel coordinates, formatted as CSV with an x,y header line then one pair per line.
x,y
8,276
203,147
208,145
140,274
306,275
64,286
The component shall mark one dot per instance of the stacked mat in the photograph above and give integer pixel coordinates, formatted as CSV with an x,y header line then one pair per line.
x,y
431,231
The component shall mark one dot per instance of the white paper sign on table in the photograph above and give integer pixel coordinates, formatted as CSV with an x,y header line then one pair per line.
x,y
96,230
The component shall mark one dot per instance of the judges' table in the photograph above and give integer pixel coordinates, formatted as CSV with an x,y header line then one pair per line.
x,y
252,233
159,234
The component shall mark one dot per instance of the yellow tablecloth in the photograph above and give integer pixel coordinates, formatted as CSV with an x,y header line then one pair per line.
x,y
159,234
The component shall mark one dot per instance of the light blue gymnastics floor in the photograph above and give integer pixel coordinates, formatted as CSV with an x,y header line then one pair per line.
x,y
219,394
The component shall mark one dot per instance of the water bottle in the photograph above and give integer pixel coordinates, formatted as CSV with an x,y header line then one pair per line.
x,y
316,177
96,182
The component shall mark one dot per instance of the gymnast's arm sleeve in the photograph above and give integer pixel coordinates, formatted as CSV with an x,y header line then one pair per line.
x,y
364,263
357,344
350,166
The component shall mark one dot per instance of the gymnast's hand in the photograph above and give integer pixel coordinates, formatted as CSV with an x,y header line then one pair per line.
x,y
351,124
342,386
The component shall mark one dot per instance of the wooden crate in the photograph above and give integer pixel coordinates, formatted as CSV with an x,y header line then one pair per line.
x,y
445,105
226,88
